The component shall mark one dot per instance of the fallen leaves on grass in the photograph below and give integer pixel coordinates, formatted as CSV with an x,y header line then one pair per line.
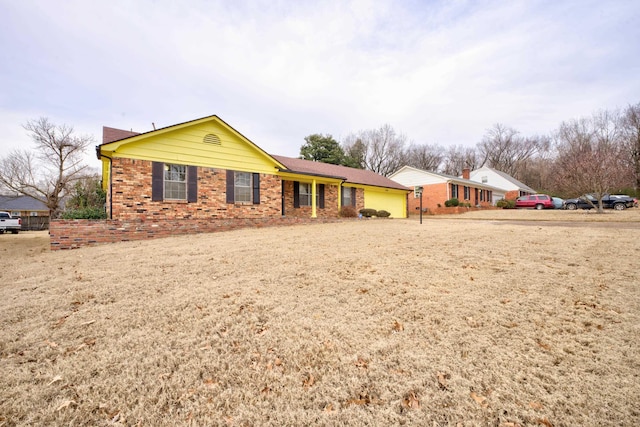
x,y
309,380
535,405
55,379
411,401
480,400
51,344
66,404
364,398
397,327
543,345
362,363
442,380
545,422
60,322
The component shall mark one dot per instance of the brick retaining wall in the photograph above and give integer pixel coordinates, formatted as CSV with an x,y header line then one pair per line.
x,y
75,233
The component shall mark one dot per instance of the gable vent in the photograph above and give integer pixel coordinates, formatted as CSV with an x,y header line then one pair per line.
x,y
212,139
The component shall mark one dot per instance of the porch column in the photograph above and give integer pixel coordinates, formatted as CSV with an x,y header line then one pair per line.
x,y
314,214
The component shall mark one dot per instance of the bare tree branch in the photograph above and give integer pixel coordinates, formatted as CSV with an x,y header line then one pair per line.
x,y
590,155
47,173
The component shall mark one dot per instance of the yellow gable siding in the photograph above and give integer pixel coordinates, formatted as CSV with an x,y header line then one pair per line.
x,y
186,146
392,201
106,172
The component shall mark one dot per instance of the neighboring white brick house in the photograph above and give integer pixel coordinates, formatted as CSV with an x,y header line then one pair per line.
x,y
511,186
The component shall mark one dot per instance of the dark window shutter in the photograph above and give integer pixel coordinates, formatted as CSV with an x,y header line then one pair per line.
x,y
296,194
321,196
192,184
157,181
353,196
231,187
256,188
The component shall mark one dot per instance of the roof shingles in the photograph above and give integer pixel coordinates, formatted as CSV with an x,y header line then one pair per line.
x,y
350,175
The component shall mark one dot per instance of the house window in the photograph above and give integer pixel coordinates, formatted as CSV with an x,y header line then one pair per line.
x,y
242,187
482,195
175,182
33,213
489,196
346,197
305,194
485,179
15,213
467,193
454,191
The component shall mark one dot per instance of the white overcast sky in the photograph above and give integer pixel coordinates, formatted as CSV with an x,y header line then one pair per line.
x,y
441,72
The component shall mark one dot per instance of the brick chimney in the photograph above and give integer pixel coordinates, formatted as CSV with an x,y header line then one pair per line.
x,y
465,173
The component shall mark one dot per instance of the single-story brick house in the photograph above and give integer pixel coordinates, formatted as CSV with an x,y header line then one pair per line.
x,y
511,187
438,188
205,169
34,213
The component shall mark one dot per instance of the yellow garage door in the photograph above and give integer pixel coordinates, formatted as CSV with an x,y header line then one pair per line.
x,y
394,202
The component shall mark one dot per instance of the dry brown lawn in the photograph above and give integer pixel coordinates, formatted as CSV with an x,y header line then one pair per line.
x,y
489,318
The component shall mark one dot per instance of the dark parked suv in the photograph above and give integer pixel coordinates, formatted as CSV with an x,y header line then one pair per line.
x,y
537,201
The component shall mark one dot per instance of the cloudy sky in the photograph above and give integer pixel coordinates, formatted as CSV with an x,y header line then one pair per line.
x,y
439,71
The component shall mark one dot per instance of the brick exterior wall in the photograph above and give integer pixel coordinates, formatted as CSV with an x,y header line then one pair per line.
x,y
330,203
135,216
73,234
435,194
131,196
512,195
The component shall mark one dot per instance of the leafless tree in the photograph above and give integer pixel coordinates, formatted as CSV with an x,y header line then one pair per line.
x,y
424,156
504,149
590,155
380,150
631,136
537,173
459,157
47,172
354,152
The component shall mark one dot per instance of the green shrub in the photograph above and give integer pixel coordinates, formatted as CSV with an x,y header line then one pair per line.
x,y
452,202
348,212
383,214
84,213
506,204
368,213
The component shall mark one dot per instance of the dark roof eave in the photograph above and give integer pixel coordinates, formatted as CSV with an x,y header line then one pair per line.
x,y
312,174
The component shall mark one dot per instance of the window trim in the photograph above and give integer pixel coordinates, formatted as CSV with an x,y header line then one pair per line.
x,y
308,195
230,187
454,191
183,183
248,188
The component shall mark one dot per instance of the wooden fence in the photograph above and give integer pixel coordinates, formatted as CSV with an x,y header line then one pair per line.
x,y
32,223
